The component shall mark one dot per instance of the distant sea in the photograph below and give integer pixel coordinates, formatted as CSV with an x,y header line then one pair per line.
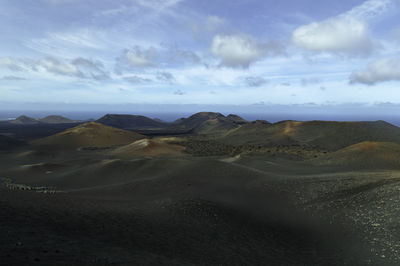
x,y
169,116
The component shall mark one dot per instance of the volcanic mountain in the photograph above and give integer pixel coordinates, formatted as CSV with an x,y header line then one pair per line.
x,y
210,123
25,120
130,121
51,119
90,134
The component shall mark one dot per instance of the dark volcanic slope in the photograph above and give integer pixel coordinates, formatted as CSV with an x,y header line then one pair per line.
x,y
323,134
88,135
130,121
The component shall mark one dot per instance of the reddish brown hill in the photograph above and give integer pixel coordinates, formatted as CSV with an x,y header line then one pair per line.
x,y
90,134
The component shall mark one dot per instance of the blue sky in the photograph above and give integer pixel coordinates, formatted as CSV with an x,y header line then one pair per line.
x,y
237,52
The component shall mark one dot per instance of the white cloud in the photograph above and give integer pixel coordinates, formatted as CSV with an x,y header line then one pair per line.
x,y
343,35
12,78
370,9
91,68
153,4
179,92
78,67
55,66
310,81
163,56
139,57
347,33
395,34
10,64
387,69
175,55
56,2
137,80
214,23
157,4
209,24
73,43
81,38
165,76
255,81
240,50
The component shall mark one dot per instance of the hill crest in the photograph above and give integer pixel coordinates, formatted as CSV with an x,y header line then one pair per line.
x,y
23,119
130,121
90,134
366,154
56,119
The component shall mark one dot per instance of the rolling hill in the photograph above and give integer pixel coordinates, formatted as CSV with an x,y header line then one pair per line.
x,y
90,134
322,134
365,154
56,119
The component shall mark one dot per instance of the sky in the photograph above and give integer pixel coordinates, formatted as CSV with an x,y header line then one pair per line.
x,y
209,52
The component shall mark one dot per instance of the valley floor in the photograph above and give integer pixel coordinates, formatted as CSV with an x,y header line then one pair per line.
x,y
88,208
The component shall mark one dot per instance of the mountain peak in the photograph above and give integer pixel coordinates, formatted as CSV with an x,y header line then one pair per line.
x,y
23,119
208,115
56,119
237,119
129,121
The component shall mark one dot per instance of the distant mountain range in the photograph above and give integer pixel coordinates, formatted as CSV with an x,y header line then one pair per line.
x,y
51,119
232,130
